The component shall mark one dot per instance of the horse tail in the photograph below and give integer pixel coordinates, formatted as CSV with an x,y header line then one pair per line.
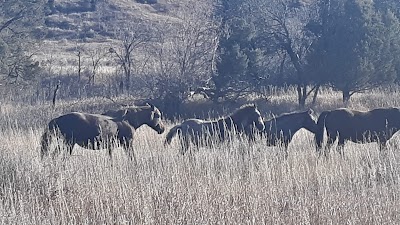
x,y
172,132
46,139
319,133
44,144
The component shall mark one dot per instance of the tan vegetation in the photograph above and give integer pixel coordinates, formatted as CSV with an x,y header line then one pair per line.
x,y
234,183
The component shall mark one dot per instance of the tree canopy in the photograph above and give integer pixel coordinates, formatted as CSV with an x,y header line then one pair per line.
x,y
355,49
18,20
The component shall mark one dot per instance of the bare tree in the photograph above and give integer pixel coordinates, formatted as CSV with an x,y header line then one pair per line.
x,y
283,24
183,52
96,56
17,22
131,38
79,49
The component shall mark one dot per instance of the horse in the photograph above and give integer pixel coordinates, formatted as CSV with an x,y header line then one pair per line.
x,y
200,132
90,130
280,130
377,125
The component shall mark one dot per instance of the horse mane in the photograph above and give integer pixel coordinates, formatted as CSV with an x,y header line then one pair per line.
x,y
287,114
243,110
136,108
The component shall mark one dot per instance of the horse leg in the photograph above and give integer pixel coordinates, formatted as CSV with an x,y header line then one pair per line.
x,y
63,146
93,143
108,142
286,152
184,144
340,147
329,143
97,145
70,147
382,146
44,142
129,150
285,146
67,145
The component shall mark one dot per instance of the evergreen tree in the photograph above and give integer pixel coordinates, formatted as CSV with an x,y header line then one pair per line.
x,y
239,60
353,53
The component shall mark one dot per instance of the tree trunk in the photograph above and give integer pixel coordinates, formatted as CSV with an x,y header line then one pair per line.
x,y
128,83
79,65
346,96
92,5
314,100
301,88
127,71
50,3
55,94
301,95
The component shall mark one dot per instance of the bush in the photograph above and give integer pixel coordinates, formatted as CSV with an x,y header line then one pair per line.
x,y
147,1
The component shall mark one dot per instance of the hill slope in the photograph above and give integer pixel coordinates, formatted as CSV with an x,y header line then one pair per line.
x,y
81,19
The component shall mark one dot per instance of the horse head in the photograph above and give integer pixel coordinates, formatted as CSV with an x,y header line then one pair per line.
x,y
149,115
310,121
155,119
248,116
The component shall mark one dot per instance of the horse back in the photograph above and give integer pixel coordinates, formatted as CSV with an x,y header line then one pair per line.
x,y
356,123
197,127
117,114
279,129
195,124
83,126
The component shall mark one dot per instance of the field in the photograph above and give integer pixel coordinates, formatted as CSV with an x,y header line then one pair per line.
x,y
233,183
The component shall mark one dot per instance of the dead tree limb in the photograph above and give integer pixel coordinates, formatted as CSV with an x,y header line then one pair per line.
x,y
55,93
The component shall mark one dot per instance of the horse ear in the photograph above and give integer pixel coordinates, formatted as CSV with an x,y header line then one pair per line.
x,y
125,111
152,107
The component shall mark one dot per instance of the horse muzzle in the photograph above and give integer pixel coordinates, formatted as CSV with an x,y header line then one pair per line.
x,y
260,126
160,129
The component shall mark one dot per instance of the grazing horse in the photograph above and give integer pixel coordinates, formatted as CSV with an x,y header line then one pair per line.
x,y
377,125
90,130
281,129
200,132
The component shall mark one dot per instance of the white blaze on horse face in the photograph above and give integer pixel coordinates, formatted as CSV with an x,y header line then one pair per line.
x,y
156,121
260,123
156,117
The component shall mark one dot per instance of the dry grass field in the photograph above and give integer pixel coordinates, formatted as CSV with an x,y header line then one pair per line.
x,y
233,183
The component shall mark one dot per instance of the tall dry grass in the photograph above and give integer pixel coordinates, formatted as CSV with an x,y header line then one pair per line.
x,y
233,183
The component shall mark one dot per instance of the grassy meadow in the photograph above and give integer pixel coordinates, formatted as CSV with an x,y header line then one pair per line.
x,y
232,183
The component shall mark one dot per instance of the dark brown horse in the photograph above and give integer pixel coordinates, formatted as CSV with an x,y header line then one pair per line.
x,y
201,132
377,125
281,129
90,130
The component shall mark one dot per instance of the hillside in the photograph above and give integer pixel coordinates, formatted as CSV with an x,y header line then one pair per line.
x,y
77,20
76,26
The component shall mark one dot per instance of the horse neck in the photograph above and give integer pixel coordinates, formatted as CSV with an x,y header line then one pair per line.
x,y
236,121
308,126
226,122
311,129
289,122
135,118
